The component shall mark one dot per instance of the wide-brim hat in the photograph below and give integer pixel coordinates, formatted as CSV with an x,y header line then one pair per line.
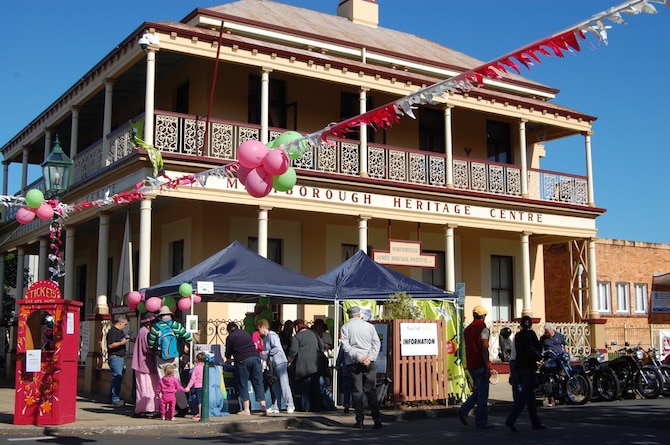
x,y
164,310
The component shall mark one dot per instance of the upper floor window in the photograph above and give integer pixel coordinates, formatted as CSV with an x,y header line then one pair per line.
x,y
350,107
498,142
437,277
349,250
431,130
604,297
640,298
182,98
275,250
176,257
622,298
277,106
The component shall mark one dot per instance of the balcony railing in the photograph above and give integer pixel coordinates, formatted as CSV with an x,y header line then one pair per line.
x,y
183,134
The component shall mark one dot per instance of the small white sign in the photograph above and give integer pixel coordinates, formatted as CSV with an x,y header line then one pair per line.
x,y
460,293
418,339
191,323
34,360
205,287
69,323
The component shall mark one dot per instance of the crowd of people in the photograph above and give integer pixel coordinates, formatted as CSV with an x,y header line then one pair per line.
x,y
287,363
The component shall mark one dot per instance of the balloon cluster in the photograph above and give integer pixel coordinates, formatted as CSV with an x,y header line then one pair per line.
x,y
35,206
266,313
136,300
264,167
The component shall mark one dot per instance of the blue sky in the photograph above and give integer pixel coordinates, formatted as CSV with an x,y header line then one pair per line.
x,y
624,83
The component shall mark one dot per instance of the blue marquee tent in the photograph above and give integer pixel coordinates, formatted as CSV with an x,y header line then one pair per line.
x,y
241,275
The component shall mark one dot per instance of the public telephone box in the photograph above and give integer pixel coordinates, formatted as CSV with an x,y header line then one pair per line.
x,y
47,349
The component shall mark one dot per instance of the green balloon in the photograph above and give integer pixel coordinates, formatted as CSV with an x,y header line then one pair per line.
x,y
185,289
169,301
142,307
330,324
267,314
286,137
34,198
249,324
272,143
264,301
285,182
293,153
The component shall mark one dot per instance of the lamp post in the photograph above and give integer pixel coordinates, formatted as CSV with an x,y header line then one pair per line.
x,y
57,171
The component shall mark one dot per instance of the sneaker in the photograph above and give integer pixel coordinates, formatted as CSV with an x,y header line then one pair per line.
x,y
358,424
163,418
273,410
172,418
290,410
196,417
118,403
378,424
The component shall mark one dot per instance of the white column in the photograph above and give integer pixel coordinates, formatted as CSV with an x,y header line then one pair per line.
x,y
450,258
42,273
363,233
47,143
144,272
20,267
589,169
525,265
265,104
263,231
522,157
24,170
149,96
69,263
74,132
5,175
101,306
363,131
449,147
107,116
593,280
2,280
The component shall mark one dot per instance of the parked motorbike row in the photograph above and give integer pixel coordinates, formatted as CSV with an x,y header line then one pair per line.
x,y
634,370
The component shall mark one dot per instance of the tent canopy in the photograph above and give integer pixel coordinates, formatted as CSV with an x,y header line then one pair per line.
x,y
361,278
241,275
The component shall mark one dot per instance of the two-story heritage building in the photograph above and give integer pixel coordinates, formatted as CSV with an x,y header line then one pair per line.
x,y
464,178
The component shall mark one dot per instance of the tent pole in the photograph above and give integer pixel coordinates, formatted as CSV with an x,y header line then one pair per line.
x,y
336,346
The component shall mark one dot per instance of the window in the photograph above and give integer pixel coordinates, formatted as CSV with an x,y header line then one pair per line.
x,y
502,288
277,106
498,142
80,290
182,98
177,257
431,130
274,248
350,107
640,298
437,277
622,298
604,297
110,279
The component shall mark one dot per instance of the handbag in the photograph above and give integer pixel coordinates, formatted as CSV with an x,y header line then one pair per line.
x,y
269,377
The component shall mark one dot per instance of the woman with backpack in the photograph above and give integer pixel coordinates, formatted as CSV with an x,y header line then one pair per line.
x,y
164,340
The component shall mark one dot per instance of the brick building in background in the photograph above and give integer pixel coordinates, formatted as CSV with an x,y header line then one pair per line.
x,y
625,277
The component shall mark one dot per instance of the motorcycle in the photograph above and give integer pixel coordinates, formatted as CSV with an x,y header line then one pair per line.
x,y
604,380
560,379
653,358
635,376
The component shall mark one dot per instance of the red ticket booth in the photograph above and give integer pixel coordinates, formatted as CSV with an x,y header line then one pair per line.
x,y
47,350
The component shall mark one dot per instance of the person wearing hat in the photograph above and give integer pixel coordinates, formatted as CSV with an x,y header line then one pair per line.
x,y
528,352
144,365
360,342
165,320
476,337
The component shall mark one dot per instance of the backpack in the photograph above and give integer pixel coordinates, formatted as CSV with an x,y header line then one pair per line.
x,y
166,343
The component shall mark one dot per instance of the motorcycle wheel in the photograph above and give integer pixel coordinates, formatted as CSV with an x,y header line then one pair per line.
x,y
665,373
606,385
648,383
578,389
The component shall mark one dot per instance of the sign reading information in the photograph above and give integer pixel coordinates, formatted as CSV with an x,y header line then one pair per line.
x,y
418,339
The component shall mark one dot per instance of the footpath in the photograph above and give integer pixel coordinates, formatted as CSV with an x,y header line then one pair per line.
x,y
96,416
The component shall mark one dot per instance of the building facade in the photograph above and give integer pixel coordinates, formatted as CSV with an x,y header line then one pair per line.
x,y
464,178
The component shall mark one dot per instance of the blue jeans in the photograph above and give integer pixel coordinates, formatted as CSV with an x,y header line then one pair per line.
x,y
116,366
281,389
479,397
250,369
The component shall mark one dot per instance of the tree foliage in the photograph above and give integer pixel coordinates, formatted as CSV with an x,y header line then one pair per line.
x,y
400,306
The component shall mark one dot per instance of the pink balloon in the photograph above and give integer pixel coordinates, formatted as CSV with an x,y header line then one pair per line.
x,y
276,162
184,304
197,298
251,153
44,211
153,304
242,173
25,215
258,183
134,297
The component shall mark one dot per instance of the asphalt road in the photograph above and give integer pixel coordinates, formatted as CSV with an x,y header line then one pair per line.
x,y
629,422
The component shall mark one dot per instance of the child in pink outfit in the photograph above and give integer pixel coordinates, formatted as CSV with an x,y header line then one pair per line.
x,y
196,381
167,392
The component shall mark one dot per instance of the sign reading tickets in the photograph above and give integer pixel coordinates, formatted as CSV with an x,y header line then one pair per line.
x,y
43,291
418,339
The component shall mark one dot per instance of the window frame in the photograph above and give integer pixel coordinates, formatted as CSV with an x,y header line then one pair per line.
x,y
644,301
607,298
622,297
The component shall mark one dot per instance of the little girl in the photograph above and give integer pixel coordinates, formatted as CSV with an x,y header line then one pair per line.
x,y
167,390
196,381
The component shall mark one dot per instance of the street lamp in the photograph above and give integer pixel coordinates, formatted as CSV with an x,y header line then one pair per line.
x,y
57,170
